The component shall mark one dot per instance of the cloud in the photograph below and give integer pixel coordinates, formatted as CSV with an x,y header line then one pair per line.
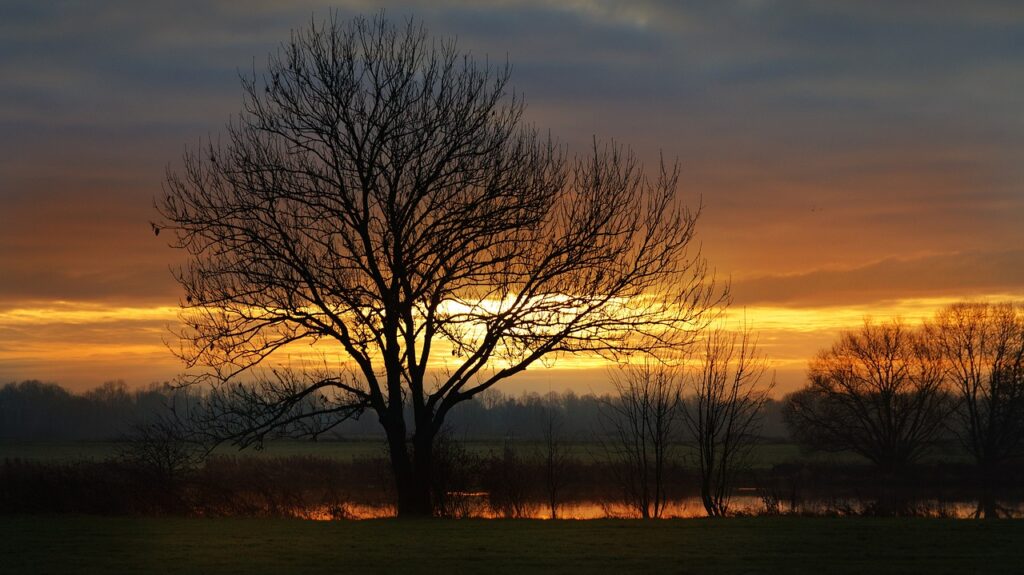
x,y
957,275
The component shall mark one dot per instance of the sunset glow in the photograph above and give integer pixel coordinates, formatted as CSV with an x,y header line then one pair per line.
x,y
83,344
839,178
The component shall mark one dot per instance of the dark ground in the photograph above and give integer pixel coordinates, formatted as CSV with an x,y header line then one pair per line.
x,y
75,544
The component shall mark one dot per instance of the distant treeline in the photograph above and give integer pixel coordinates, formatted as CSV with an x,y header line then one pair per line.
x,y
33,410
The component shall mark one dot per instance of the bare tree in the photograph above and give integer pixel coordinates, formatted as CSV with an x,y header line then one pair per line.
x,y
162,449
877,392
723,412
165,453
379,195
642,418
983,346
555,456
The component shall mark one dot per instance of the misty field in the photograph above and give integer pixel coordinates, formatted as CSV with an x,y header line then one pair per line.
x,y
750,545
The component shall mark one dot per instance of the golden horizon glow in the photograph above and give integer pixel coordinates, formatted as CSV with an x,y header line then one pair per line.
x,y
81,344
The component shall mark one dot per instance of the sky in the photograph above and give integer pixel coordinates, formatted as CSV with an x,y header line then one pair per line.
x,y
853,158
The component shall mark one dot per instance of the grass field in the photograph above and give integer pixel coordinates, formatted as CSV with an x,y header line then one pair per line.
x,y
65,451
764,456
755,545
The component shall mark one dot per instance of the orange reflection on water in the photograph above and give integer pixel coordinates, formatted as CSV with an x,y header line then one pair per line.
x,y
476,506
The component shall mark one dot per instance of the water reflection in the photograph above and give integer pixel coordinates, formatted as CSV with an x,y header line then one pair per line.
x,y
476,505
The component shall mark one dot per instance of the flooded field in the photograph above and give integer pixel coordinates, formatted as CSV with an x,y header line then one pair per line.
x,y
352,480
476,505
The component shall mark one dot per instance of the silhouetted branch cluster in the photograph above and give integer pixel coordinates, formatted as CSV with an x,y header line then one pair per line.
x,y
282,403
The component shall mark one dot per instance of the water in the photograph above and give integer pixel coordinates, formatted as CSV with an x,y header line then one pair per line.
x,y
476,505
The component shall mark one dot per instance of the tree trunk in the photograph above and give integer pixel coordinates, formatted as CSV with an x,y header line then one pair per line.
x,y
987,506
412,472
712,495
705,497
414,498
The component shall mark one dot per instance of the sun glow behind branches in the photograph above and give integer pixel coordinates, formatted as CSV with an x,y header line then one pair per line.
x,y
82,344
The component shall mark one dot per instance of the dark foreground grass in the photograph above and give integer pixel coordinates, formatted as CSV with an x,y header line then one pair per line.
x,y
492,547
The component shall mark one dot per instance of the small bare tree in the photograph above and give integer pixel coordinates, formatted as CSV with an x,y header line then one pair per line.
x,y
163,449
723,412
555,457
642,420
380,194
165,453
877,392
165,446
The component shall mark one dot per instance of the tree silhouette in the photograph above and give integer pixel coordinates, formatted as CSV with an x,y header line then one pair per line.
x,y
877,392
555,455
642,420
983,346
380,194
724,412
